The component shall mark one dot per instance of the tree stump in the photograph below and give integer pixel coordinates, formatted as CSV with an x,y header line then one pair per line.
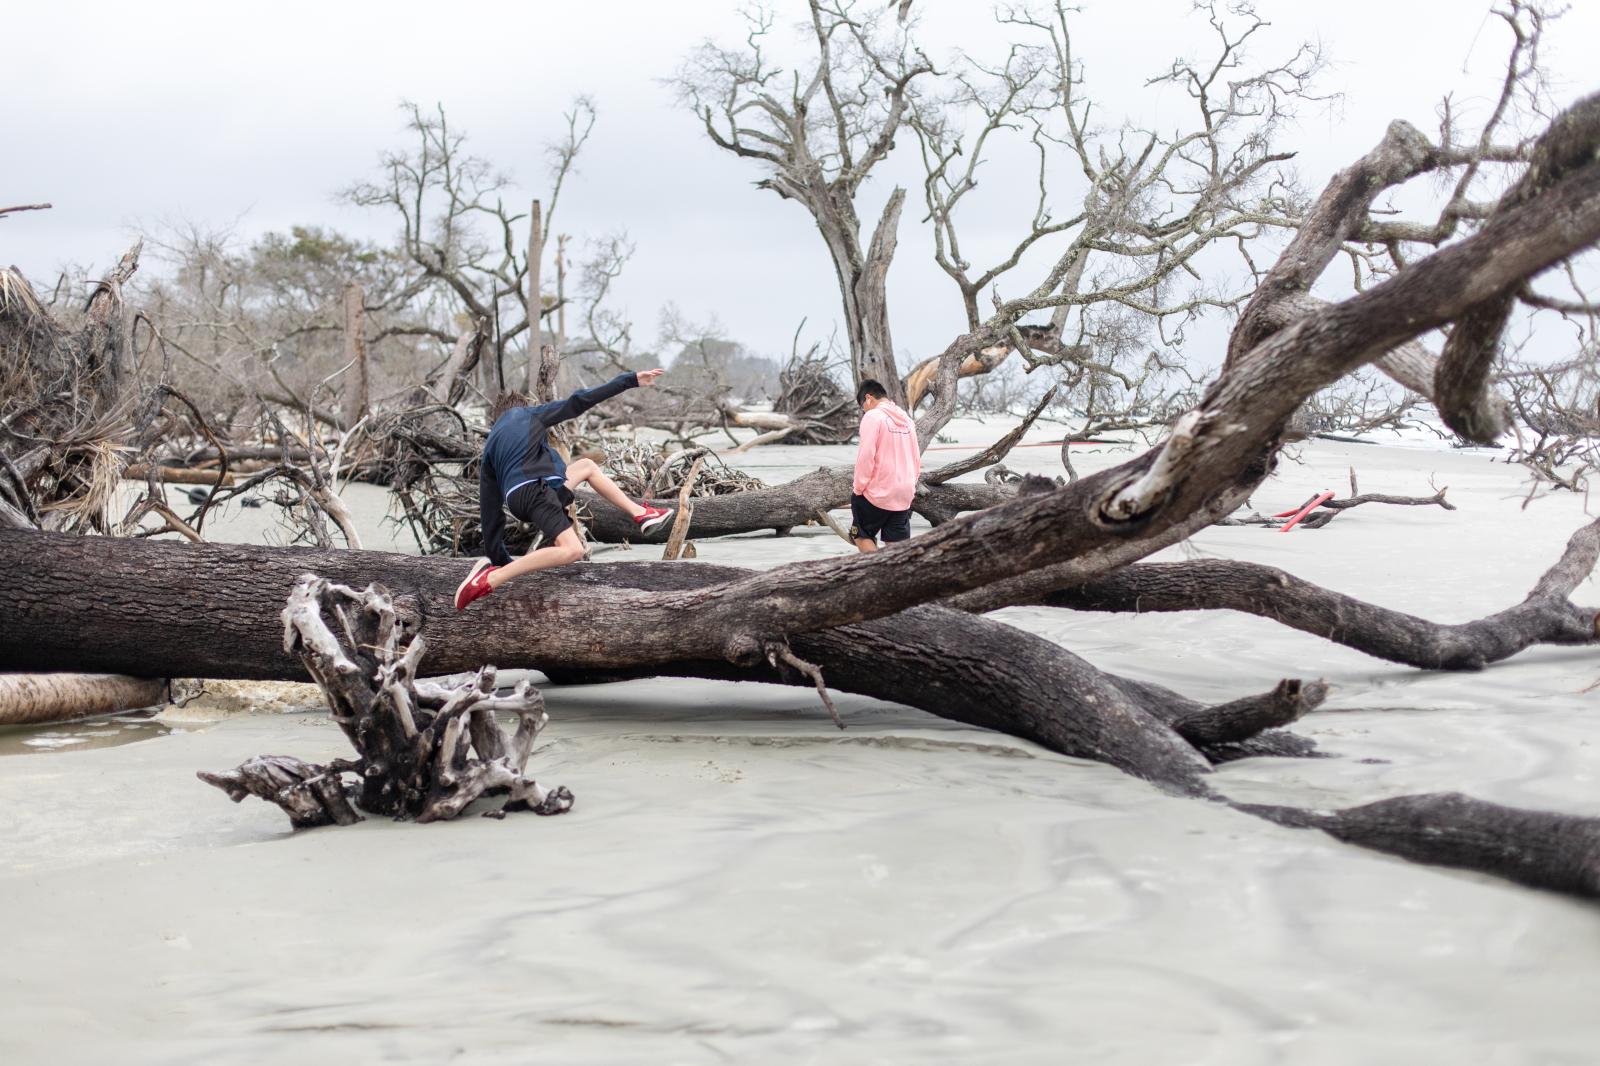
x,y
424,751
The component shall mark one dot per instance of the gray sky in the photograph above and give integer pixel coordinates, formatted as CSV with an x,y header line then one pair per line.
x,y
127,115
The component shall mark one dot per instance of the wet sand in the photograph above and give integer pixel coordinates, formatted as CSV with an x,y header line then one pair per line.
x,y
741,882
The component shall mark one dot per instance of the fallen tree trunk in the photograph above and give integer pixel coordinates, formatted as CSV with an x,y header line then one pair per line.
x,y
34,699
1553,851
1545,616
211,610
782,507
178,475
203,610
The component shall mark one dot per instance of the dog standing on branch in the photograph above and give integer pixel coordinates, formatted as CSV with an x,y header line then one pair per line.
x,y
521,473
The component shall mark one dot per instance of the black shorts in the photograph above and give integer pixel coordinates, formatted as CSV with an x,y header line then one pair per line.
x,y
867,520
542,505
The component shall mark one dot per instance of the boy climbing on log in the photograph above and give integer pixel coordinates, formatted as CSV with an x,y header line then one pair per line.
x,y
521,473
888,463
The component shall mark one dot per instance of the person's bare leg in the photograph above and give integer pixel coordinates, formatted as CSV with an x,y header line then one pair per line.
x,y
587,470
863,545
566,549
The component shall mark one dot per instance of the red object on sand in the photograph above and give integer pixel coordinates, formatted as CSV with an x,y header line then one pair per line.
x,y
1316,501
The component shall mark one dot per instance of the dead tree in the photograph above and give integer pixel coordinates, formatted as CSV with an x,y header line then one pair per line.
x,y
266,324
1222,449
358,395
78,412
631,618
1316,512
425,751
1151,202
1558,411
539,380
711,389
1359,405
440,194
818,132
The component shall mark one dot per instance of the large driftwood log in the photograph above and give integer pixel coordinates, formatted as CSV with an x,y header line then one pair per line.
x,y
210,610
1545,616
785,506
31,699
214,609
1558,852
425,751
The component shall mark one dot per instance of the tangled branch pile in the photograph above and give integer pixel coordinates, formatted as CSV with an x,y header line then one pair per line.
x,y
63,410
649,471
824,413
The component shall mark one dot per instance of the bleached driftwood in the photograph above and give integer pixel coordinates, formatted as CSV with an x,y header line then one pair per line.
x,y
30,699
425,750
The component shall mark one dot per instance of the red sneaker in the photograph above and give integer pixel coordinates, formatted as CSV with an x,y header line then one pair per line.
x,y
476,584
652,517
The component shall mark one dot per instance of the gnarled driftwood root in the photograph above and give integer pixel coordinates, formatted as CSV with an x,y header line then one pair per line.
x,y
426,751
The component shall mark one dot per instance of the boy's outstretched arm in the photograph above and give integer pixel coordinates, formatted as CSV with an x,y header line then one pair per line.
x,y
579,402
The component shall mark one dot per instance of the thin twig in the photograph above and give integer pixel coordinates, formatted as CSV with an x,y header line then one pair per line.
x,y
778,651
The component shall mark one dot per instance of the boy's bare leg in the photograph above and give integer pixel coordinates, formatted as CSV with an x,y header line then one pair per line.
x,y
863,545
567,549
588,470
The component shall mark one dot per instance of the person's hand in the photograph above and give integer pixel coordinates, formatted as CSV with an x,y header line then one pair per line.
x,y
648,377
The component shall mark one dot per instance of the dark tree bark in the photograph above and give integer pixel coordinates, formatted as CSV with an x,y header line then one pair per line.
x,y
211,611
1233,723
1553,851
1546,616
869,300
1461,382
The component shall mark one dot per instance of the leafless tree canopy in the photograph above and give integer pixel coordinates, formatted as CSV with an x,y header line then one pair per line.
x,y
817,130
457,234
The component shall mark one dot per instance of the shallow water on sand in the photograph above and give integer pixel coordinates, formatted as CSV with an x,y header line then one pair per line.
x,y
103,732
741,882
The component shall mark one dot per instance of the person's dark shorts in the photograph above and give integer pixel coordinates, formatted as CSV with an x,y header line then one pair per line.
x,y
542,505
867,520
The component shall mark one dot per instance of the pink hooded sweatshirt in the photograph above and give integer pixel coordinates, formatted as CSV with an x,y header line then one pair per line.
x,y
887,460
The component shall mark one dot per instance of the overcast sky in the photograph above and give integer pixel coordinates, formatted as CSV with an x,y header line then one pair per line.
x,y
128,115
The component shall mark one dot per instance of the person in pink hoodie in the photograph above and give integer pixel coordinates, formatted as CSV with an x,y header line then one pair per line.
x,y
888,463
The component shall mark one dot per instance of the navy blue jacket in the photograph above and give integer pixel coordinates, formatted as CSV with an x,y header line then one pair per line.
x,y
518,451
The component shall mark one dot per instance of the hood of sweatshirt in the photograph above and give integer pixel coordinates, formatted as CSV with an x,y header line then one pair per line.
x,y
895,415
